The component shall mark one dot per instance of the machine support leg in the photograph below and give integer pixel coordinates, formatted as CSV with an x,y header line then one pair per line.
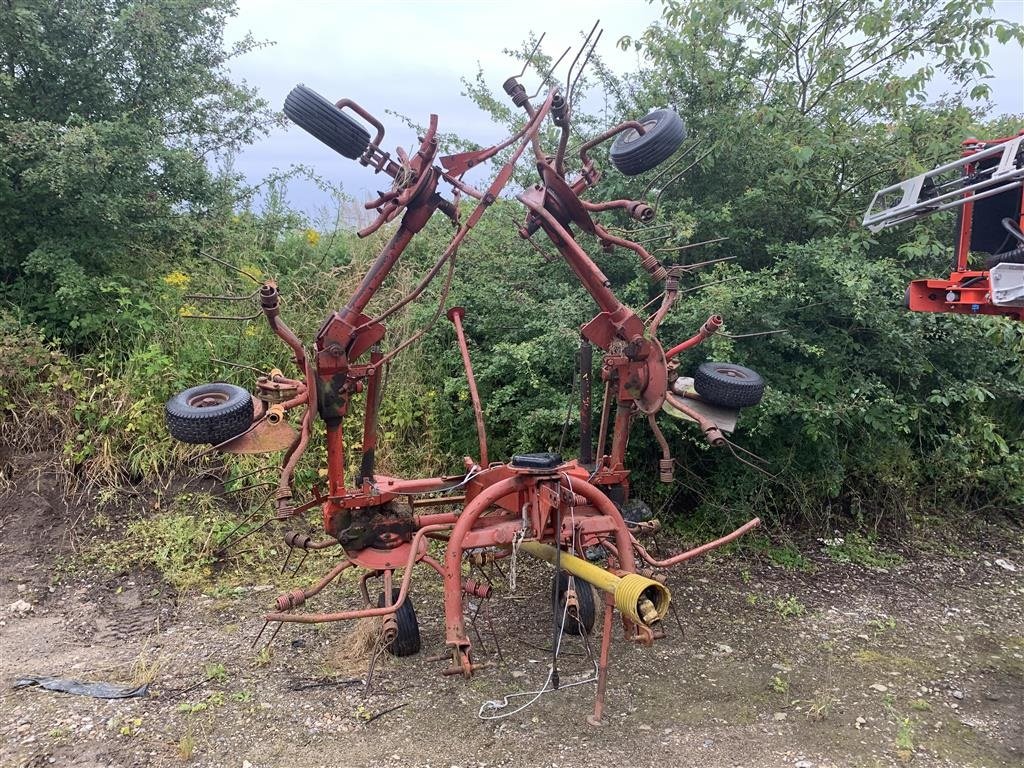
x,y
602,664
586,408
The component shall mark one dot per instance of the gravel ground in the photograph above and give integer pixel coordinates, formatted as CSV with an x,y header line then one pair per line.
x,y
840,665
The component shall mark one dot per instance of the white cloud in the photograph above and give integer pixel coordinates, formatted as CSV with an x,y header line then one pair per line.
x,y
410,57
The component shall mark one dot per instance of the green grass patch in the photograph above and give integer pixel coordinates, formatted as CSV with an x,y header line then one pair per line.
x,y
182,544
858,549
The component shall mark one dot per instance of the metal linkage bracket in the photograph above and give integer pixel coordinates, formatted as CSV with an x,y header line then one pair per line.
x,y
947,187
1007,282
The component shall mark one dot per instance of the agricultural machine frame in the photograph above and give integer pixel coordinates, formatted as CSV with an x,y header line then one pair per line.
x,y
986,187
537,504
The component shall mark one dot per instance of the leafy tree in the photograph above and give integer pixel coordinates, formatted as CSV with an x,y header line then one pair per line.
x,y
799,110
111,112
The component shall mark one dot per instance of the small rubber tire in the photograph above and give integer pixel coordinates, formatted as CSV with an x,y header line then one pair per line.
x,y
325,122
728,385
209,413
1016,256
584,625
407,640
633,154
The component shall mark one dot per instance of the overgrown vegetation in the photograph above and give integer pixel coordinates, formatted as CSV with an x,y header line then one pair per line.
x,y
110,210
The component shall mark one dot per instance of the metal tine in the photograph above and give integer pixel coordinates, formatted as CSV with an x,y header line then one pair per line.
x,y
221,444
476,630
490,626
548,257
287,559
586,42
689,269
656,238
756,333
679,158
731,445
572,88
302,560
208,297
273,635
226,542
259,634
239,365
674,179
243,521
221,317
231,267
257,529
264,468
532,53
688,246
675,615
749,453
641,228
702,286
544,80
248,488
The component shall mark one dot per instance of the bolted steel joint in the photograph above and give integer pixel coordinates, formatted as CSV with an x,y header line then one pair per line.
x,y
641,212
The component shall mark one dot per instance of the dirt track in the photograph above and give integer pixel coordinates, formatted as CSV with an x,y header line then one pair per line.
x,y
920,663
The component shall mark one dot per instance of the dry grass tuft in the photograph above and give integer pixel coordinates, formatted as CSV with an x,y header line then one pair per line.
x,y
355,648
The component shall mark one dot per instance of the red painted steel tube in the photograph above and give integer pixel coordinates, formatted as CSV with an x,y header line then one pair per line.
x,y
605,506
696,551
455,623
335,459
492,192
295,452
649,262
586,270
442,518
620,435
438,568
460,163
342,103
711,325
602,431
270,301
455,314
315,618
378,271
366,465
609,205
665,466
297,597
711,430
586,371
668,299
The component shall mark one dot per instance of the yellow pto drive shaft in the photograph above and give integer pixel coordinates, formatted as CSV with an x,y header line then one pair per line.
x,y
638,598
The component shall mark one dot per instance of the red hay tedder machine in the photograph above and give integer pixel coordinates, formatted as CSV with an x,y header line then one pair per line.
x,y
986,187
491,511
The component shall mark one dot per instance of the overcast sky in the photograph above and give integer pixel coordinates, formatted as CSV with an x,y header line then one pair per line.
x,y
410,55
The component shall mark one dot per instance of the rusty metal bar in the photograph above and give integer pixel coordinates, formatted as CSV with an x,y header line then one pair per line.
x,y
696,551
586,366
455,314
711,325
316,618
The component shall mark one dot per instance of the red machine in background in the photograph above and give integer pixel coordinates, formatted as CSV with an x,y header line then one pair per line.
x,y
537,503
986,186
